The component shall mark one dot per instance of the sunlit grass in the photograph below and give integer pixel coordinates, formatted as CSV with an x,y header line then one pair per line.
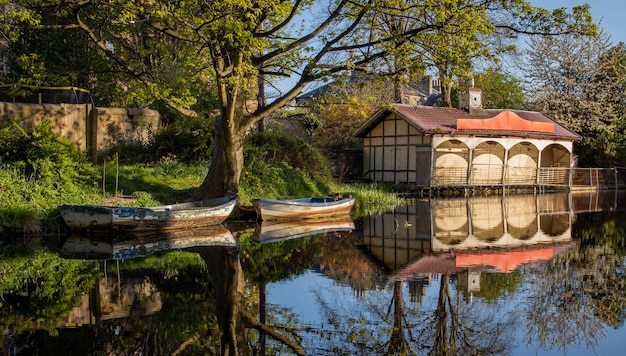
x,y
30,202
166,181
371,198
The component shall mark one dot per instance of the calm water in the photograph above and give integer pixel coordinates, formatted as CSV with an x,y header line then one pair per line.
x,y
512,275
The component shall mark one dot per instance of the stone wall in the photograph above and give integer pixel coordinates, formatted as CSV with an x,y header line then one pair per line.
x,y
113,126
92,129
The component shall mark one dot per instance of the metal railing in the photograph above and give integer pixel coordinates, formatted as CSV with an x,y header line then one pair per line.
x,y
553,177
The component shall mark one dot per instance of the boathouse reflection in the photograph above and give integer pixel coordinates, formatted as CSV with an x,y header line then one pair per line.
x,y
471,235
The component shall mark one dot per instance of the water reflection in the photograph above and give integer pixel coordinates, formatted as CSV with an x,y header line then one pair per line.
x,y
516,226
135,245
274,231
440,276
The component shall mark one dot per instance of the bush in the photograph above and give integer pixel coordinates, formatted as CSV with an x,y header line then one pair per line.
x,y
276,147
189,140
43,155
40,170
282,166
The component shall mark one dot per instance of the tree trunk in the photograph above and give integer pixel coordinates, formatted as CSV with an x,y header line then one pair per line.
x,y
445,86
227,277
226,163
397,343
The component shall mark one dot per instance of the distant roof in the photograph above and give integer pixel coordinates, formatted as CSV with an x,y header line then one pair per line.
x,y
433,99
331,88
442,120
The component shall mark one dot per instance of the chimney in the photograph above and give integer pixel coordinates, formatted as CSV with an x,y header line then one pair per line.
x,y
471,100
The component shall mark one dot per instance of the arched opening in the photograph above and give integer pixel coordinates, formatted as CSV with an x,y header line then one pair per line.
x,y
450,221
487,164
554,166
521,216
522,164
554,225
451,162
487,219
555,155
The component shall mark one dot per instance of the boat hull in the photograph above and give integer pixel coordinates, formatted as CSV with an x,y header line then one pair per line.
x,y
166,217
306,208
273,231
133,245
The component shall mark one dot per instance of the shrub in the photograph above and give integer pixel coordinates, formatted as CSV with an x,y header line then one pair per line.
x,y
43,155
189,140
40,170
275,147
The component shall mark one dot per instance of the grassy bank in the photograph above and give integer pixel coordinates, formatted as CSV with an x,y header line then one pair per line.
x,y
40,171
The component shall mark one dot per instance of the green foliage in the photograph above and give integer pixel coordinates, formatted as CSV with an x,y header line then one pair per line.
x,y
44,155
500,90
293,256
342,120
372,198
277,181
188,140
36,74
41,287
274,147
311,123
166,181
496,286
40,170
280,166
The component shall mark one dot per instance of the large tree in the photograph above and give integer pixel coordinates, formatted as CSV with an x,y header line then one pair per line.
x,y
162,46
581,82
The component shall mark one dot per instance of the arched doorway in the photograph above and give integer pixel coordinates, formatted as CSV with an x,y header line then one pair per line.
x,y
487,164
554,165
555,155
450,164
522,164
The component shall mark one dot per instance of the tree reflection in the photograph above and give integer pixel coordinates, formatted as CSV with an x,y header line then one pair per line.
x,y
234,307
460,328
397,327
581,291
397,342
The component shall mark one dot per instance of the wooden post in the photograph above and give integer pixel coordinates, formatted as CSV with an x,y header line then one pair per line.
x,y
104,177
117,172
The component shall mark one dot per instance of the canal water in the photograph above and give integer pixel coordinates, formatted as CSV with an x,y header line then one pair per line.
x,y
500,275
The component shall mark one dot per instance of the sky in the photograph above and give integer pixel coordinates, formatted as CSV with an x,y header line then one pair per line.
x,y
610,14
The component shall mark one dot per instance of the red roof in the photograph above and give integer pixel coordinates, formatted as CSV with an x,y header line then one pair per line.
x,y
502,122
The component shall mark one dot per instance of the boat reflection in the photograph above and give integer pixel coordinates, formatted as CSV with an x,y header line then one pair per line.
x,y
135,245
495,233
273,231
116,297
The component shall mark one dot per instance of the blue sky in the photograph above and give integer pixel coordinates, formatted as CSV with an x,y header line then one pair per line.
x,y
610,13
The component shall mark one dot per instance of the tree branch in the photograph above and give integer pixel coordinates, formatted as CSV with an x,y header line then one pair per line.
x,y
254,323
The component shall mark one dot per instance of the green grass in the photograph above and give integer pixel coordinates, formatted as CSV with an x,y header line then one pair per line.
x,y
30,205
166,181
40,171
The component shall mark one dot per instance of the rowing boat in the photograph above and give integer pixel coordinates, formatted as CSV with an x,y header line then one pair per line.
x,y
165,217
303,208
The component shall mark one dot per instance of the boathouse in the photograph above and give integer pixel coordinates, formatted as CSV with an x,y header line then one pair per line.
x,y
446,147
